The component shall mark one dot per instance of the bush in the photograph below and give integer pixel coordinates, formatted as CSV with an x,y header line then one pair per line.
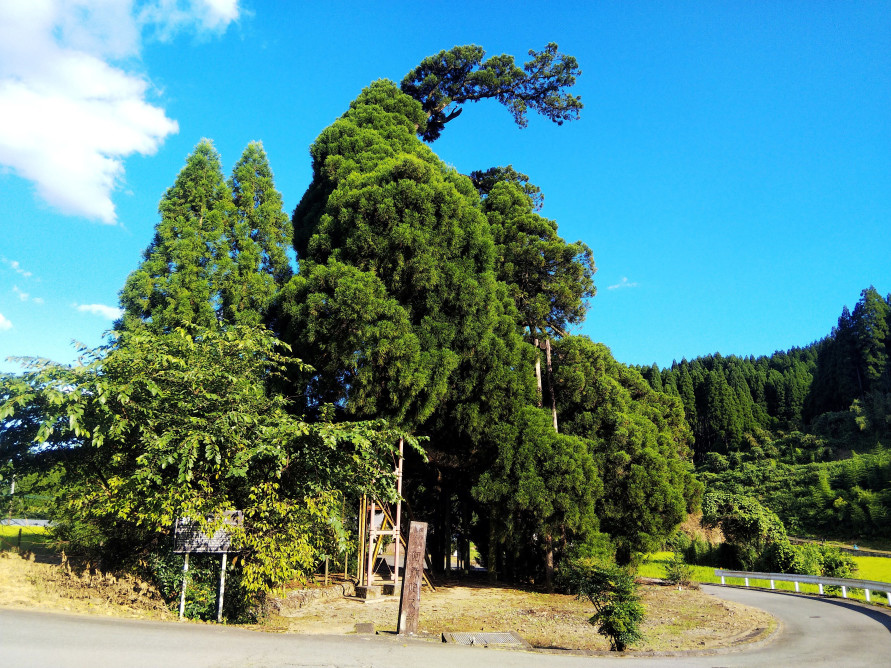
x,y
613,593
837,564
677,572
702,553
779,557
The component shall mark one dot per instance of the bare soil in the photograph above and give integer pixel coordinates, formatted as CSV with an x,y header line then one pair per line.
x,y
676,619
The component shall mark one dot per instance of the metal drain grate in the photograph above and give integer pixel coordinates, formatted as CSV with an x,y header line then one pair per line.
x,y
501,639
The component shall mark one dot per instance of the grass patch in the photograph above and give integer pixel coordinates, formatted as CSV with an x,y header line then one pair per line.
x,y
26,539
868,568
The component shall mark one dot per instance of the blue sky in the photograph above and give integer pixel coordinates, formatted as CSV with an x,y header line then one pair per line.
x,y
730,169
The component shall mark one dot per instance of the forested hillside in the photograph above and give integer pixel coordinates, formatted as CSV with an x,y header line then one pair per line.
x,y
805,430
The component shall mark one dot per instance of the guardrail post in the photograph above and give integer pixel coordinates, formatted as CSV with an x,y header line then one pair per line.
x,y
867,595
747,582
796,586
844,592
820,585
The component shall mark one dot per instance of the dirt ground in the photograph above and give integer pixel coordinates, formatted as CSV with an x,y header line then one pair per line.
x,y
676,620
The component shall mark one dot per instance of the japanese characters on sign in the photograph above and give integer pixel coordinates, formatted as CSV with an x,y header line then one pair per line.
x,y
188,537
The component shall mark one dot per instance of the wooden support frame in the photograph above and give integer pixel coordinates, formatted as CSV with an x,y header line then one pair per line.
x,y
371,538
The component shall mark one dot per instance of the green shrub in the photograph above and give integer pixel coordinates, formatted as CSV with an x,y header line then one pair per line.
x,y
837,564
613,593
677,571
778,557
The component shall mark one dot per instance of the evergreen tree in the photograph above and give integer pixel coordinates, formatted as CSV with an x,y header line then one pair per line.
x,y
181,276
640,441
259,233
444,82
397,305
871,315
549,279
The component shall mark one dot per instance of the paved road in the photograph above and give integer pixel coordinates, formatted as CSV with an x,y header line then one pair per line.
x,y
815,633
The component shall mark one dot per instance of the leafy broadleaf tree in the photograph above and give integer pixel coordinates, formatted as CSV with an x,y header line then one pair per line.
x,y
444,82
180,278
180,424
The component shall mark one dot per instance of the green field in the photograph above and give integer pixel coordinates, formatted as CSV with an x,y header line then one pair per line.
x,y
33,539
868,568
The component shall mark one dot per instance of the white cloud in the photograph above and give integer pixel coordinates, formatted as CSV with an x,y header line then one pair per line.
x,y
168,17
4,323
624,283
70,116
16,267
109,312
23,296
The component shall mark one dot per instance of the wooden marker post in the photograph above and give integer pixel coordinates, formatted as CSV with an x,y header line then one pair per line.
x,y
410,598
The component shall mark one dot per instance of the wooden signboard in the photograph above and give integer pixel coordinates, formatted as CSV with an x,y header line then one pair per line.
x,y
410,598
188,537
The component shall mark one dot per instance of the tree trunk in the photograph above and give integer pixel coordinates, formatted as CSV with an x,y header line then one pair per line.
x,y
551,382
492,559
549,564
538,373
447,527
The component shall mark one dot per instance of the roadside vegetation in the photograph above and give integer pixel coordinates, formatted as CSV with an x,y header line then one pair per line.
x,y
434,307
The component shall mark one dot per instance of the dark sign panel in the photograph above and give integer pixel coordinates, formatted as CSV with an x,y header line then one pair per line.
x,y
188,537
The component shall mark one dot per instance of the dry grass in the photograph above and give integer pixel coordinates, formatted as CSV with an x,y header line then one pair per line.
x,y
676,620
27,583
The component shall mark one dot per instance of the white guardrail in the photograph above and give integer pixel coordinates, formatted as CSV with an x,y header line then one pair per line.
x,y
844,583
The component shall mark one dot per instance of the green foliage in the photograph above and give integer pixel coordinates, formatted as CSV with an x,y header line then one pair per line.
x,y
444,82
184,265
640,444
218,253
677,571
258,235
545,485
613,592
748,527
548,278
161,426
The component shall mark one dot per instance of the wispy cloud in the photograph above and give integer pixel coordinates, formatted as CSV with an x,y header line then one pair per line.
x,y
26,296
108,312
70,115
624,283
16,267
4,323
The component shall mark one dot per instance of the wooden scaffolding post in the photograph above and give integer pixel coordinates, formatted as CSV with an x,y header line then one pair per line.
x,y
360,553
371,537
369,576
397,527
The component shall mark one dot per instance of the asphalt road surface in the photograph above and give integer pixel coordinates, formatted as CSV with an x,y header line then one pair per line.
x,y
813,633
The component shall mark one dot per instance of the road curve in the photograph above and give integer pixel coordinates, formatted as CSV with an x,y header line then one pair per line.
x,y
815,632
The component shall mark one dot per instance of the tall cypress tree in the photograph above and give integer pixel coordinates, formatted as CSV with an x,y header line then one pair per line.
x,y
259,233
181,276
